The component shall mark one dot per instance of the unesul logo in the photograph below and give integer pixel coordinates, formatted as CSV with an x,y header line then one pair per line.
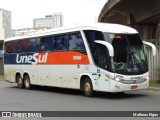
x,y
31,59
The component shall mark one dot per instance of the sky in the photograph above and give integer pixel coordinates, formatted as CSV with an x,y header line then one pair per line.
x,y
74,11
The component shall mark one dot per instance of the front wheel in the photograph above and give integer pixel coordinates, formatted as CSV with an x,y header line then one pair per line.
x,y
87,87
27,82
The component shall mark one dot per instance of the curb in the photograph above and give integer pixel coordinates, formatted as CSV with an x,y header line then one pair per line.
x,y
154,88
150,88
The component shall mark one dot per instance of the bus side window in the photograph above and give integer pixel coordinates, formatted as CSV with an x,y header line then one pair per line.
x,y
46,43
8,47
60,43
24,45
76,42
34,45
72,42
37,45
15,46
48,46
42,44
65,41
80,43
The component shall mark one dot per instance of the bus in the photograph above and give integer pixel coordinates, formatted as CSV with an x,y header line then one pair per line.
x,y
100,57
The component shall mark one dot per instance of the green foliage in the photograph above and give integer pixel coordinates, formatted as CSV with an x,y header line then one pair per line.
x,y
154,83
1,77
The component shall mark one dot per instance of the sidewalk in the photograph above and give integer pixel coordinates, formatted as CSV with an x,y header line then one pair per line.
x,y
154,88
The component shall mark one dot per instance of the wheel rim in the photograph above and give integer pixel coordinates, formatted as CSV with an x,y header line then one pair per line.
x,y
87,87
27,82
20,82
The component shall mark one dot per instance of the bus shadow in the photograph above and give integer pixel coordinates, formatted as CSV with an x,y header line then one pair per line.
x,y
104,95
124,95
57,90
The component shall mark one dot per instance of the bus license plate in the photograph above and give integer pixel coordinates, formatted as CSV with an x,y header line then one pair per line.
x,y
133,87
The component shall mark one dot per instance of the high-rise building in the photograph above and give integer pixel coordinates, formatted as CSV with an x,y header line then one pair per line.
x,y
50,21
58,20
5,24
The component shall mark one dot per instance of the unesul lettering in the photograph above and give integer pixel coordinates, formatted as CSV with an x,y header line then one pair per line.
x,y
32,59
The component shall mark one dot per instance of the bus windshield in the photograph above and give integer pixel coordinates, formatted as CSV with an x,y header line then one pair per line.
x,y
129,54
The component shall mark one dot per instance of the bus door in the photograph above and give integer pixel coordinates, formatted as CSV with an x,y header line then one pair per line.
x,y
101,59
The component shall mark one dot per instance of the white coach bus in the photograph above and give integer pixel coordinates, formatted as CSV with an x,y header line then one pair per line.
x,y
99,57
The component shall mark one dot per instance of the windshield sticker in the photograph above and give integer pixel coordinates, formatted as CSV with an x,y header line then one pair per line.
x,y
98,71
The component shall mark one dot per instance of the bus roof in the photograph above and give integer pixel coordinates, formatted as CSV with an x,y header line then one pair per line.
x,y
103,27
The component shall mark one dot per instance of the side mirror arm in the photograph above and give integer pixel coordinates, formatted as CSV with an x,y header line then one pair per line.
x,y
108,45
152,46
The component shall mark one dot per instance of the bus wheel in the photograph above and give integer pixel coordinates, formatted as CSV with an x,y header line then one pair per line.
x,y
20,82
87,87
27,82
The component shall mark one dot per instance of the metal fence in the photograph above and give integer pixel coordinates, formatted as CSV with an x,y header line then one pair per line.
x,y
153,62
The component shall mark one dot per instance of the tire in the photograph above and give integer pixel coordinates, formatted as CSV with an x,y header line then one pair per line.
x,y
20,82
27,83
88,88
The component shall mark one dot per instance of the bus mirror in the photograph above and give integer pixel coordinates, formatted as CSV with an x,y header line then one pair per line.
x,y
108,45
152,46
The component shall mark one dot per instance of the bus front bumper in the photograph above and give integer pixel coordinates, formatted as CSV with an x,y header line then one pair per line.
x,y
121,87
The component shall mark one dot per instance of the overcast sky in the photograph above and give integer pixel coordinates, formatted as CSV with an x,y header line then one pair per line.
x,y
74,11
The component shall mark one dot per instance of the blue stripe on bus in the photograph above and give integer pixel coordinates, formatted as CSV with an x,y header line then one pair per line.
x,y
12,58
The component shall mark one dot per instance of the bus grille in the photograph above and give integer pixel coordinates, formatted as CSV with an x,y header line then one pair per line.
x,y
132,81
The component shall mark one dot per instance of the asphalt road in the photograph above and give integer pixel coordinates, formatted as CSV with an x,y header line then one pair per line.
x,y
55,99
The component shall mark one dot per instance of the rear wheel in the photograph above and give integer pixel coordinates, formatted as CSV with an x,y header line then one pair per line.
x,y
20,82
27,82
87,87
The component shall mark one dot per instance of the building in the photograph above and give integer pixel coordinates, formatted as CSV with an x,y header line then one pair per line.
x,y
50,21
1,57
5,24
25,31
5,31
58,20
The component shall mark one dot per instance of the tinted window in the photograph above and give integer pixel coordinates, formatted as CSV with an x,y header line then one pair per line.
x,y
12,47
8,47
15,46
91,36
24,46
46,43
34,44
61,42
99,52
76,42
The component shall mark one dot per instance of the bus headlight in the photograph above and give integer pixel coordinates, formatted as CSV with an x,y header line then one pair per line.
x,y
114,78
117,79
146,78
110,77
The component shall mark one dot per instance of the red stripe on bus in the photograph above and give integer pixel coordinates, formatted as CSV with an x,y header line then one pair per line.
x,y
67,57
